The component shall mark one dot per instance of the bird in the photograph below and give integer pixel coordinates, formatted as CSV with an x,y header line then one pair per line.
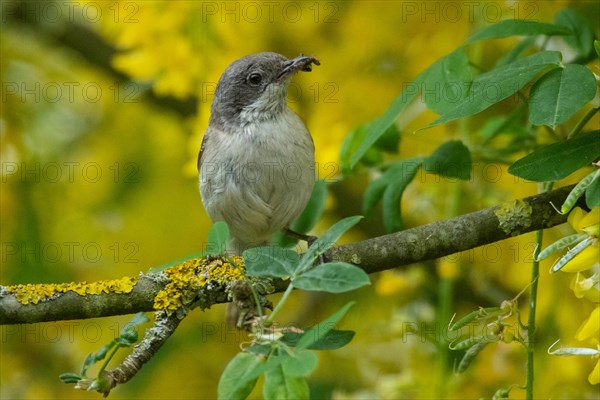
x,y
257,158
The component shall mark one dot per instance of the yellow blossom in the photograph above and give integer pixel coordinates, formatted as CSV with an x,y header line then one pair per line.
x,y
594,376
391,282
447,269
588,223
591,327
586,287
585,222
585,260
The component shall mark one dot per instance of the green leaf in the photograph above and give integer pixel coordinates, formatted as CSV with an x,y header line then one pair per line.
x,y
558,160
516,51
392,196
447,82
70,377
314,209
350,145
279,386
376,128
318,332
517,27
582,37
240,376
127,339
260,349
309,217
496,85
218,238
597,47
138,319
326,241
400,170
452,159
334,277
592,194
129,335
559,94
388,141
374,192
333,340
300,363
503,124
93,358
270,261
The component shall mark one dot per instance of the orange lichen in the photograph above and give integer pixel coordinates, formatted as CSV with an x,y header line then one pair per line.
x,y
186,278
34,293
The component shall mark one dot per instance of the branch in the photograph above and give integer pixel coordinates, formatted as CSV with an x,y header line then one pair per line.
x,y
164,326
458,234
422,243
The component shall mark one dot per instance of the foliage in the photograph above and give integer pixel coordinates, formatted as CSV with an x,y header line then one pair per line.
x,y
281,354
557,93
147,204
127,338
551,93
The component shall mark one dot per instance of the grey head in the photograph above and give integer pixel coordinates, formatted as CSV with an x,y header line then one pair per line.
x,y
254,88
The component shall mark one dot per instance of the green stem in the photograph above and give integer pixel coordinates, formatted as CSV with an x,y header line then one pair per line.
x,y
112,354
256,298
535,269
445,307
279,305
446,289
579,127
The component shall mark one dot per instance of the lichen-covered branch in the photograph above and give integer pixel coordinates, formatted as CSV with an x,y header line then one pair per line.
x,y
457,234
197,282
164,326
202,282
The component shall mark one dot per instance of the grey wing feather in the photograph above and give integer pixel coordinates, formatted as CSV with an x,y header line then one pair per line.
x,y
202,146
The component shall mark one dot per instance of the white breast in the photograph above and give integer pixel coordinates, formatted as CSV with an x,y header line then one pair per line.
x,y
258,181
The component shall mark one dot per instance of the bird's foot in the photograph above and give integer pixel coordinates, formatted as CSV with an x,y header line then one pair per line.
x,y
309,239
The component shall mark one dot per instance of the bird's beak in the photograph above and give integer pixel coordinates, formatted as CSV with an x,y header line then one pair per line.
x,y
300,63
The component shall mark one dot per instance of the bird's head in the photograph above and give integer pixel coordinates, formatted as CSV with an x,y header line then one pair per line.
x,y
254,88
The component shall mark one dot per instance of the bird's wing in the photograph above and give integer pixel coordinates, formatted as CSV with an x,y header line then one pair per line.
x,y
201,150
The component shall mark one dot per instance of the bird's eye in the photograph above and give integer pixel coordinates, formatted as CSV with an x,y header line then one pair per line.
x,y
255,78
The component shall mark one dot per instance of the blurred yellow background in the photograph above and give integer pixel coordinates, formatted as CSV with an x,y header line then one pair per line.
x,y
104,105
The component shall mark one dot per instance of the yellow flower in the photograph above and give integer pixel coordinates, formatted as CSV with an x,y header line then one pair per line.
x,y
447,269
585,222
585,260
591,327
586,287
391,282
594,377
588,223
